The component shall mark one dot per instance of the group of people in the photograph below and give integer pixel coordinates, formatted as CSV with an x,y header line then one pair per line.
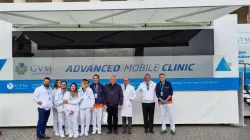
x,y
89,101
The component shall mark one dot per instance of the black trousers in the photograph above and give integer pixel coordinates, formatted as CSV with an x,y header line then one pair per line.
x,y
124,122
43,116
148,110
112,117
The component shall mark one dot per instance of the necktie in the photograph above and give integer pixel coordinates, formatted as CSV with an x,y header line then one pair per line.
x,y
125,86
147,86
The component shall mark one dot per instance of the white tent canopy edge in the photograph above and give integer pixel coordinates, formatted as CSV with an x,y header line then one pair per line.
x,y
136,18
116,5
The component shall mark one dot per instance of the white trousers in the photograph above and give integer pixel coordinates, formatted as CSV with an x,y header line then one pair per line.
x,y
62,120
85,115
73,123
55,121
97,119
167,109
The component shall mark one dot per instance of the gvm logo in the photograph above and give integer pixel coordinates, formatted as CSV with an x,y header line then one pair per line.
x,y
244,40
223,65
2,62
40,69
10,86
17,86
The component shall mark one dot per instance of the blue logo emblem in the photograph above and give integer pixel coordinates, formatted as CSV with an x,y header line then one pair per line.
x,y
21,69
2,62
223,65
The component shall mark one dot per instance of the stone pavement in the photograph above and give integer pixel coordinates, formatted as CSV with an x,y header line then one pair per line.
x,y
183,132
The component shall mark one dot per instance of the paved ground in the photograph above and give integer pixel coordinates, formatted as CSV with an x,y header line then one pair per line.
x,y
184,132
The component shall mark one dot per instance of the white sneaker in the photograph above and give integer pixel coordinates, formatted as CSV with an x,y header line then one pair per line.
x,y
94,132
86,134
66,133
75,136
62,135
70,135
57,134
82,134
99,132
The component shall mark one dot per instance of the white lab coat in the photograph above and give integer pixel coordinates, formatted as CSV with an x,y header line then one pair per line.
x,y
59,100
128,94
87,98
148,95
44,95
73,103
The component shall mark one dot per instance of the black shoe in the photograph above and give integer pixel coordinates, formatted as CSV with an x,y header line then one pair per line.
x,y
146,130
44,136
152,131
115,131
109,132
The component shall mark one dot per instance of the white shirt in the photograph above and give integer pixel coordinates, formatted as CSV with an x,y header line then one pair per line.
x,y
44,95
148,95
87,98
73,102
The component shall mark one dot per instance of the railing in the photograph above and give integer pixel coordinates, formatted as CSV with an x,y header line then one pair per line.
x,y
18,1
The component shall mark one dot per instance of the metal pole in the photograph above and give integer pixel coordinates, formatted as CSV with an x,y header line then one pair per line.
x,y
240,98
245,70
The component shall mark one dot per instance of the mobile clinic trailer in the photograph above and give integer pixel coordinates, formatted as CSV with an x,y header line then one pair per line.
x,y
193,42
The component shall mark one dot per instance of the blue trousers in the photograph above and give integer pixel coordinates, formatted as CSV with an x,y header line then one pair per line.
x,y
43,116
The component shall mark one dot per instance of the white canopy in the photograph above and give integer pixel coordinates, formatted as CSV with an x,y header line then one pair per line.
x,y
113,14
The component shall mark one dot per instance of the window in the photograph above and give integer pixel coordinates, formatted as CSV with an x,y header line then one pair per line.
x,y
113,43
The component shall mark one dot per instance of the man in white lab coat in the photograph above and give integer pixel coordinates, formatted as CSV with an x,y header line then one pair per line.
x,y
42,96
62,116
127,110
147,90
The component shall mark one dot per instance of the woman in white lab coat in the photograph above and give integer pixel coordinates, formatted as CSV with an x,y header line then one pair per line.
x,y
86,106
55,91
71,101
127,111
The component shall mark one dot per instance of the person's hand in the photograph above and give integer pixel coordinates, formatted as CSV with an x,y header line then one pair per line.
x,y
65,101
91,109
70,112
119,106
104,106
163,102
40,103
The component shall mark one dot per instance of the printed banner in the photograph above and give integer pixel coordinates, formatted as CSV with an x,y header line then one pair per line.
x,y
134,67
179,84
244,49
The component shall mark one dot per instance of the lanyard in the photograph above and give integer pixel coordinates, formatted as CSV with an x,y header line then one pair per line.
x,y
83,92
162,85
62,92
72,96
96,89
147,86
48,91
